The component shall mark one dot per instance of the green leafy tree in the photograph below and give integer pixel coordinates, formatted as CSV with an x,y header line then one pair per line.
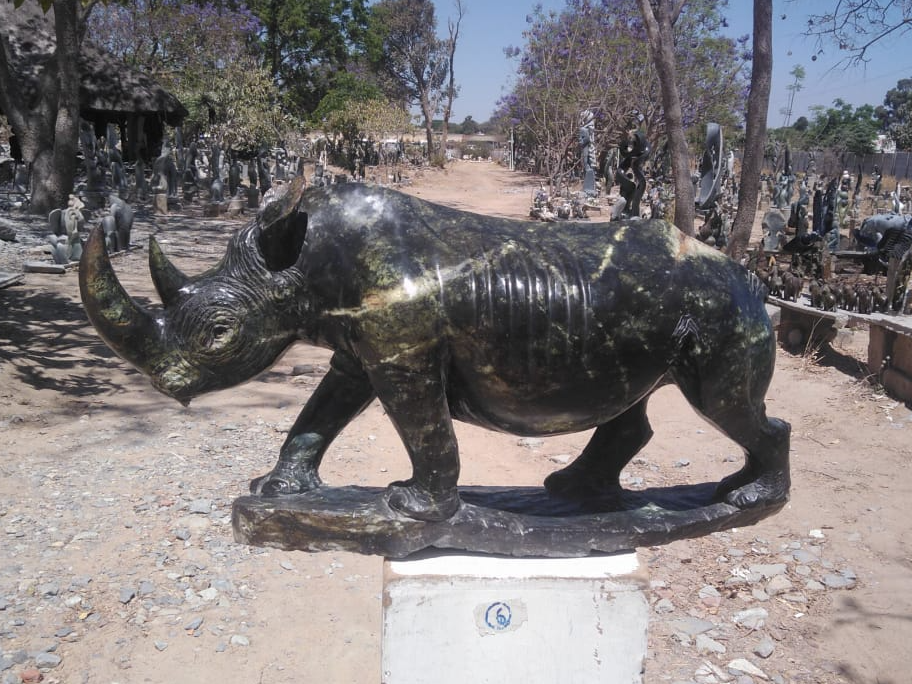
x,y
213,72
241,111
798,74
898,113
403,45
305,42
469,126
46,119
842,128
355,109
371,119
346,87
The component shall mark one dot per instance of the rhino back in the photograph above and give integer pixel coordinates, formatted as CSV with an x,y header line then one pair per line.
x,y
533,315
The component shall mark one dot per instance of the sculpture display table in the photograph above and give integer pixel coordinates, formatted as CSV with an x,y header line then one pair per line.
x,y
467,618
890,353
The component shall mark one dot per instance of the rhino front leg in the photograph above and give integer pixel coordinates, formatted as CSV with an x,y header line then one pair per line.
x,y
415,402
344,392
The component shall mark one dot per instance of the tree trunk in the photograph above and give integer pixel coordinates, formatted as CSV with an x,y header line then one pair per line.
x,y
51,187
49,130
428,126
451,76
659,17
755,135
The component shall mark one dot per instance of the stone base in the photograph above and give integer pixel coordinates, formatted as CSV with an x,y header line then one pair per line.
x,y
456,618
520,521
890,359
235,207
214,209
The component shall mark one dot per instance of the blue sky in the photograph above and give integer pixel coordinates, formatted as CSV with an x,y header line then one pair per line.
x,y
484,74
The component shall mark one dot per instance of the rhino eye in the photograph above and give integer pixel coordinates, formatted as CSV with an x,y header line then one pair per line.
x,y
220,335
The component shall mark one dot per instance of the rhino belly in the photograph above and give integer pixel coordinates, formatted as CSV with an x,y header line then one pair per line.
x,y
548,402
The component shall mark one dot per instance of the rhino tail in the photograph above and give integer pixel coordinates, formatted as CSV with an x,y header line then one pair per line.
x,y
686,333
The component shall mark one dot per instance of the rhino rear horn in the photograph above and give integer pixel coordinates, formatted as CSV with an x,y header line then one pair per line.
x,y
167,277
283,229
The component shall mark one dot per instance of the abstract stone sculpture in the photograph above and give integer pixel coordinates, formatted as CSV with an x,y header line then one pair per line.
x,y
587,151
518,326
711,169
123,217
631,180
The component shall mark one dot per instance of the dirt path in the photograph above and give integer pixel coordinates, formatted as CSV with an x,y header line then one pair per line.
x,y
118,563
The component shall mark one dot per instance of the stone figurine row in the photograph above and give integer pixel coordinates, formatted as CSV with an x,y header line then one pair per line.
x,y
67,223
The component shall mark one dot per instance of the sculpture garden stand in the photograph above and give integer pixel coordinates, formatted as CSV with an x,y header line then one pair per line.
x,y
512,615
484,619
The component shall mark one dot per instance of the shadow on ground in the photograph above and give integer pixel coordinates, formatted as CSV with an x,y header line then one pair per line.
x,y
46,342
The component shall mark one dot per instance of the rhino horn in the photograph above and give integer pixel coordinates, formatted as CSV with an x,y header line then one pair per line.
x,y
167,277
131,331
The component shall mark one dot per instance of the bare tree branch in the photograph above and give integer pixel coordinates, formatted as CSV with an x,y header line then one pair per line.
x,y
854,26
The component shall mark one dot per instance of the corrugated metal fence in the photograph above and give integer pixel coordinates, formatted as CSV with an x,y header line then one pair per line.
x,y
896,164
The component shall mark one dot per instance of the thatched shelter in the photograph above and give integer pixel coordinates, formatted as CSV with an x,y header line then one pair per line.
x,y
111,92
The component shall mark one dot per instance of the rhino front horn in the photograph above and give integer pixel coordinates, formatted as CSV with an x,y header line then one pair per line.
x,y
131,331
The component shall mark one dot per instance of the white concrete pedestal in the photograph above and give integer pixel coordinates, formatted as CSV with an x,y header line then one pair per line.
x,y
453,619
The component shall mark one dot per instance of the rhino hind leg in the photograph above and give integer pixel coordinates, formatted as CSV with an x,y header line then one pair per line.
x,y
730,394
596,471
764,479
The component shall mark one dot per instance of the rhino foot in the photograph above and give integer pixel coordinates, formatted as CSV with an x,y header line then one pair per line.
x,y
285,479
744,490
576,484
416,502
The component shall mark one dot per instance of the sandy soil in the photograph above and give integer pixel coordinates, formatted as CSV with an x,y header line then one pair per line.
x,y
118,563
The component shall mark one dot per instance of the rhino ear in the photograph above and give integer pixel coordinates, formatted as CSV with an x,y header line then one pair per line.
x,y
282,243
283,228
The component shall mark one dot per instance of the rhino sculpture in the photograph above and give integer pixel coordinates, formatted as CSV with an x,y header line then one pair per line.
x,y
517,326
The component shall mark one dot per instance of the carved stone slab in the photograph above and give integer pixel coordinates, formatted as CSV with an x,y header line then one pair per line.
x,y
490,520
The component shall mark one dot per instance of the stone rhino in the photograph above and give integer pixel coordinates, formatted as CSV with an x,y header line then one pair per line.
x,y
517,326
